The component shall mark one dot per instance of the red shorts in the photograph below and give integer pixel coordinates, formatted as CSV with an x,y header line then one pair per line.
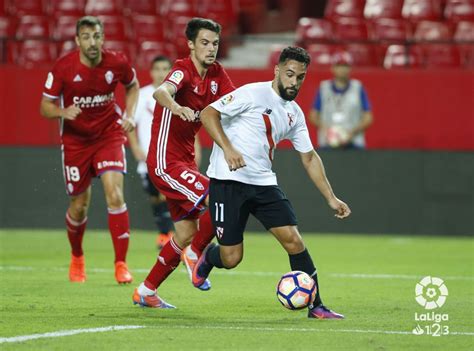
x,y
184,187
81,163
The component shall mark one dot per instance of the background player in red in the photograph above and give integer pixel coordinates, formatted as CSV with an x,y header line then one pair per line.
x,y
92,136
192,84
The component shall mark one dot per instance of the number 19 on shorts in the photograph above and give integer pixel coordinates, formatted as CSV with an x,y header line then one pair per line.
x,y
219,212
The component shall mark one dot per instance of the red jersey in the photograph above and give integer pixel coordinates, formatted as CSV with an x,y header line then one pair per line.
x,y
172,139
92,90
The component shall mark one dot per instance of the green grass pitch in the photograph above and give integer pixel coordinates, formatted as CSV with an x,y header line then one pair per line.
x,y
371,279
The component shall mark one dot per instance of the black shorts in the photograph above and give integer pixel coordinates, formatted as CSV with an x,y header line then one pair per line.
x,y
231,203
148,185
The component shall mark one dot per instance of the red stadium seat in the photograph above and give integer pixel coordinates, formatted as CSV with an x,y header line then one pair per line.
x,y
104,7
441,55
7,27
148,28
3,8
467,55
26,7
397,56
148,50
177,28
115,27
432,31
65,28
67,7
383,9
350,29
321,54
464,32
418,10
30,27
31,53
224,11
391,30
362,54
344,8
174,8
275,52
144,7
312,30
459,10
66,47
121,46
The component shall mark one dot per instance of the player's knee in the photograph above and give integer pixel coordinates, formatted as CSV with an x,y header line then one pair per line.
x,y
231,259
78,210
115,198
294,243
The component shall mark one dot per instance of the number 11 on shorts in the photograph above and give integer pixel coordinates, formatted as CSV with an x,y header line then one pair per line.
x,y
219,212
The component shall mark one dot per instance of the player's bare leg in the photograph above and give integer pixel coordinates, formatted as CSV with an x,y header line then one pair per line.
x,y
118,222
76,220
300,260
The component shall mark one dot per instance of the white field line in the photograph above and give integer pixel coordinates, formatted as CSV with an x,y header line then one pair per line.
x,y
250,273
62,333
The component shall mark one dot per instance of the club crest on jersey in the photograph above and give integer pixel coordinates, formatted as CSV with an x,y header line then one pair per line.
x,y
291,118
199,186
109,77
219,232
214,87
176,77
227,99
49,81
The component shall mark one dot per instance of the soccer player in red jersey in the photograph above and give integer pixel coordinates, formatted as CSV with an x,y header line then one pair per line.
x,y
192,84
80,91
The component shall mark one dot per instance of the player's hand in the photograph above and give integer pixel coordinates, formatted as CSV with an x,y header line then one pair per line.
x,y
185,113
128,124
234,159
341,208
71,112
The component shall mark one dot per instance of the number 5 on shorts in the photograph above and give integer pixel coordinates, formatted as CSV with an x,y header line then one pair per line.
x,y
189,177
219,212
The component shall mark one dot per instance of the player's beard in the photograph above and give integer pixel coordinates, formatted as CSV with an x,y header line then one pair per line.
x,y
284,92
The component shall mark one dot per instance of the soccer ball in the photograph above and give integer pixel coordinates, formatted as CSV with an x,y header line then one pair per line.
x,y
296,290
336,135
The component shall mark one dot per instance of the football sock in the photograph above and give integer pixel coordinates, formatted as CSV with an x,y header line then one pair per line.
x,y
119,227
204,235
162,217
303,262
168,260
75,233
213,257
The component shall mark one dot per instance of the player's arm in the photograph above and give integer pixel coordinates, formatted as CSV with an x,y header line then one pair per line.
x,y
132,91
197,151
137,151
50,109
315,169
164,95
211,120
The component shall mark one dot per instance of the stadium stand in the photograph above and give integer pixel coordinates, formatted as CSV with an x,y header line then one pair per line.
x,y
383,9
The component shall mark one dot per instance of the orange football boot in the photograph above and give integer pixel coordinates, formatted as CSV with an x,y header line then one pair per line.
x,y
153,301
122,274
77,269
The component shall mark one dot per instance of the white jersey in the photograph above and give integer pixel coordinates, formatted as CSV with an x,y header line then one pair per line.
x,y
255,119
144,120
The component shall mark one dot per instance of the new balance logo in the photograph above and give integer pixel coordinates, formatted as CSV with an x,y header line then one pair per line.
x,y
77,78
124,236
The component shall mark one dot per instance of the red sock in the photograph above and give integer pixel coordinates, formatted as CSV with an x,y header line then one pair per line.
x,y
168,260
119,227
75,233
204,235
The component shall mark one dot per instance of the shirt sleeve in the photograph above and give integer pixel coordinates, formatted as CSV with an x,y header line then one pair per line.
x,y
53,86
317,101
128,72
233,104
299,135
364,100
178,77
226,84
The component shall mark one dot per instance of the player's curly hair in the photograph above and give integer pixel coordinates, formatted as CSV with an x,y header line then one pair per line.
x,y
196,24
294,53
89,21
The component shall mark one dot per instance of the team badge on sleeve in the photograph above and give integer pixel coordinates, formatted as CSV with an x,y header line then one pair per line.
x,y
49,81
227,99
176,77
109,77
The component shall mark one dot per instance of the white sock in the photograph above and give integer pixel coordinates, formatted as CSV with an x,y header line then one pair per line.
x,y
191,254
144,291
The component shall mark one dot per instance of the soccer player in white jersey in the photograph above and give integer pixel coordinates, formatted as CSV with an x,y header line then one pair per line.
x,y
246,125
139,142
